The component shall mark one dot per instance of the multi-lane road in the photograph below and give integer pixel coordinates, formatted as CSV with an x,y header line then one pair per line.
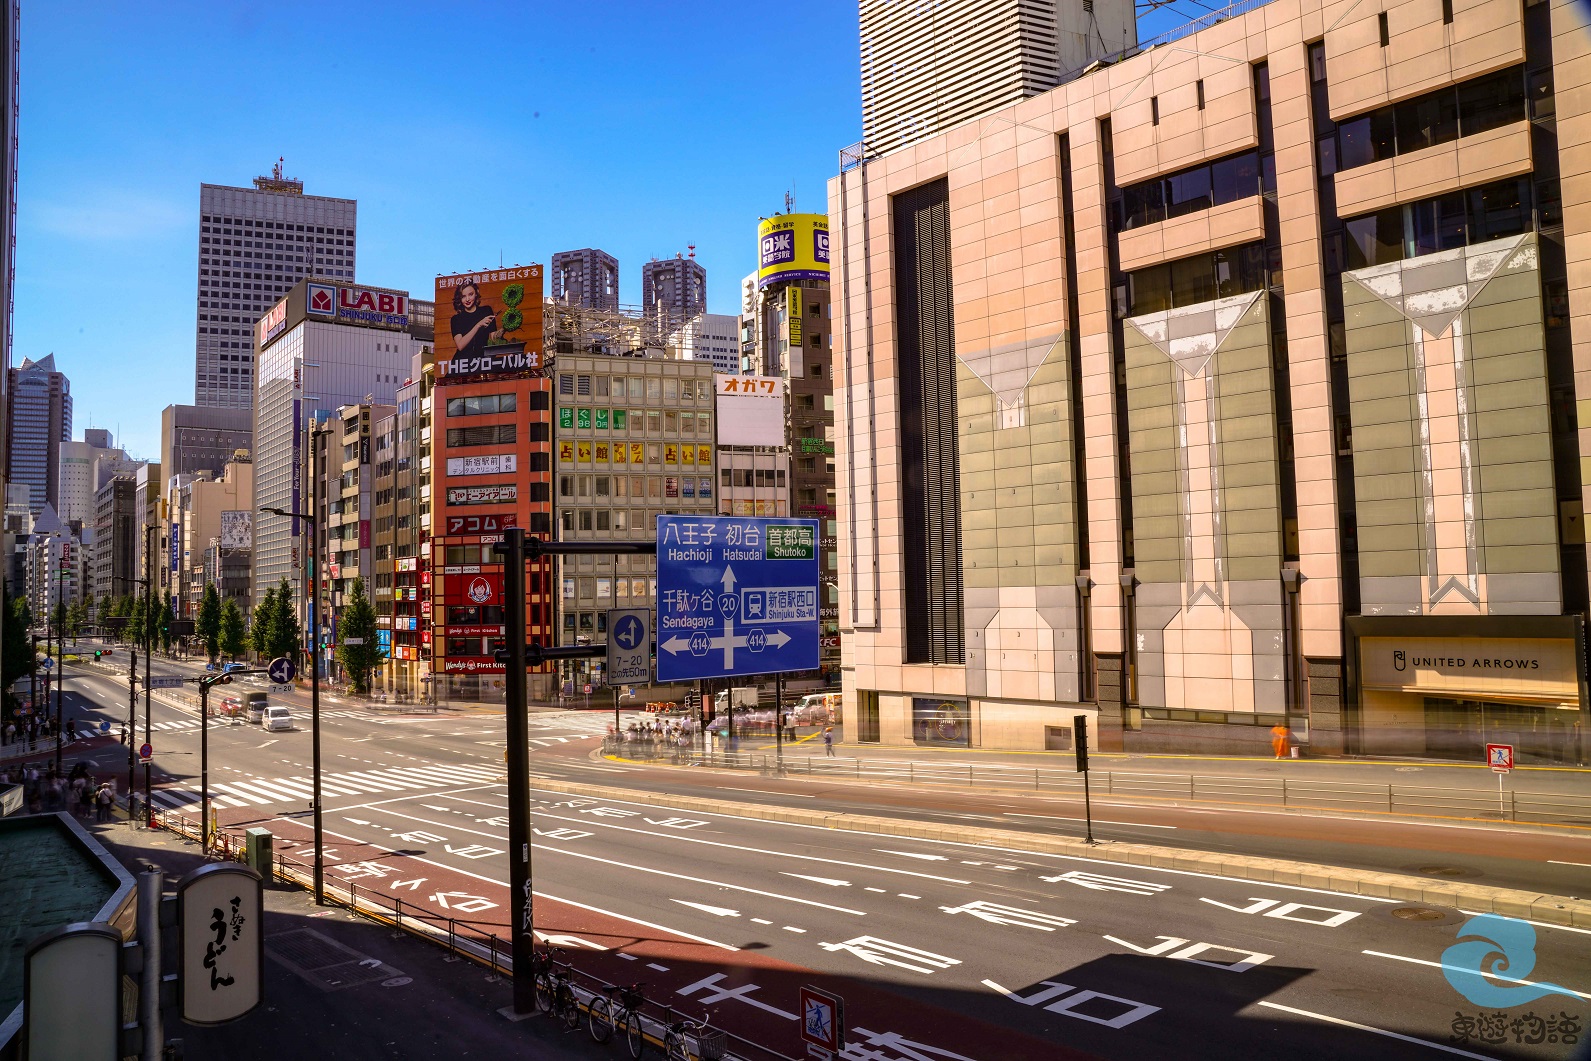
x,y
941,950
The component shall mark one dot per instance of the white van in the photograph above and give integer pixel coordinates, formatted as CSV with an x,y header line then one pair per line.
x,y
276,717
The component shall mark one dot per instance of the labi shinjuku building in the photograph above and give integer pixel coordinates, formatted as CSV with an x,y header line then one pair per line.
x,y
1234,383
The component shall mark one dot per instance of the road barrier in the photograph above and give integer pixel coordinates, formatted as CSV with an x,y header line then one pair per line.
x,y
467,940
1515,805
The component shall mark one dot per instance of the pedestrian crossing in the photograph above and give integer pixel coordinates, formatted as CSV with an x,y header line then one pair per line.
x,y
264,792
194,723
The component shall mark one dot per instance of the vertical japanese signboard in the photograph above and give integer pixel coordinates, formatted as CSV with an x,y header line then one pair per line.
x,y
221,923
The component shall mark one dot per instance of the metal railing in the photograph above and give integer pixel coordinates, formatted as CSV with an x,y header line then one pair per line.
x,y
468,940
1513,805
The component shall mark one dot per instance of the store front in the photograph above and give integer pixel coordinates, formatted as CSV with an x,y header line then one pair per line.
x,y
1445,687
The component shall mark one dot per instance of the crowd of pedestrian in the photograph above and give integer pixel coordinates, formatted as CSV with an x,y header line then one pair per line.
x,y
29,731
649,738
46,791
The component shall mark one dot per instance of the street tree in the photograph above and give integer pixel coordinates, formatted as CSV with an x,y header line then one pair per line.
x,y
163,625
261,623
16,650
287,636
76,617
208,626
356,638
58,620
232,640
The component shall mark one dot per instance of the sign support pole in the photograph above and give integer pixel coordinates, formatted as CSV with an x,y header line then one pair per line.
x,y
151,889
149,696
1502,808
778,719
517,730
131,729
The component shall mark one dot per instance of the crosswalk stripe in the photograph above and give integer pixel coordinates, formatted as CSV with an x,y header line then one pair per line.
x,y
282,784
367,784
384,783
449,777
327,787
233,788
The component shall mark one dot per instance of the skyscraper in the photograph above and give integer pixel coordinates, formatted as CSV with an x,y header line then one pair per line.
x,y
927,67
39,415
10,26
255,244
673,290
586,277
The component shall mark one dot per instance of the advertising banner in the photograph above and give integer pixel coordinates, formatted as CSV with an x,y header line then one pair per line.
x,y
357,305
482,495
272,323
237,529
792,247
936,721
483,589
487,464
750,410
488,325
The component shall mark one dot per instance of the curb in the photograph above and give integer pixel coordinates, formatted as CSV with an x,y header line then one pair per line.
x,y
1509,902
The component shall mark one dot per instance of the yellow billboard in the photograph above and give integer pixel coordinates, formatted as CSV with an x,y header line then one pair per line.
x,y
792,247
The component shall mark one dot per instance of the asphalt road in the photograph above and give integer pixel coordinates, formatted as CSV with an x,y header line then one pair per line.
x,y
962,951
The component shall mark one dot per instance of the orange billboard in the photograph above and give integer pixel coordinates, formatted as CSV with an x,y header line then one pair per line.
x,y
488,325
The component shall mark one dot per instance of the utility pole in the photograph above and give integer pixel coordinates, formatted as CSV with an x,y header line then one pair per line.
x,y
60,681
517,730
149,650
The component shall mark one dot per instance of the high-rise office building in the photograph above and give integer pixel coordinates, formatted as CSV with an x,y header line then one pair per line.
x,y
254,245
586,277
927,67
38,420
712,337
85,467
10,45
194,439
673,290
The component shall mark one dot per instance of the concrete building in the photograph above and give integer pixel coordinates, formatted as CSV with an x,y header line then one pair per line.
x,y
927,69
401,525
85,467
54,566
634,441
325,345
586,277
116,535
710,337
195,439
1225,387
38,420
10,79
213,522
254,245
673,290
347,510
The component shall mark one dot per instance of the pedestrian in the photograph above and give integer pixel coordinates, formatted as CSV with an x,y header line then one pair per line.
x,y
1280,739
85,800
103,799
828,740
11,732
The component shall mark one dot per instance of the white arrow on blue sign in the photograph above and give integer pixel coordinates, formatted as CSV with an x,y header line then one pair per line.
x,y
736,596
281,670
629,647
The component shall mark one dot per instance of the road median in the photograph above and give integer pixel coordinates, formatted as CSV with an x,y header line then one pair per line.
x,y
1476,898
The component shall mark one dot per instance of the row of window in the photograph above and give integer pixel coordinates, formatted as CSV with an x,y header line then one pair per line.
x,y
1457,219
652,388
1439,117
1208,184
241,225
1200,278
606,589
493,434
636,486
636,421
487,404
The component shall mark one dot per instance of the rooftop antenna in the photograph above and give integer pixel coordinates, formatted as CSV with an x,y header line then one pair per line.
x,y
789,203
276,170
692,248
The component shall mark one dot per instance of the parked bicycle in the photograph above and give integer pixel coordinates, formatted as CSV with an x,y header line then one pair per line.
x,y
557,997
680,1034
622,1013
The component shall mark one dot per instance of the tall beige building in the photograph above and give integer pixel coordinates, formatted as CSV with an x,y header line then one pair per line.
x,y
1233,384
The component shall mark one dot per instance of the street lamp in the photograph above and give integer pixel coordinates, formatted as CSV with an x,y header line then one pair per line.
x,y
311,574
132,706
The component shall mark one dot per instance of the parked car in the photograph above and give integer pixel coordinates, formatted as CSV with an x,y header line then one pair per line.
x,y
276,717
228,668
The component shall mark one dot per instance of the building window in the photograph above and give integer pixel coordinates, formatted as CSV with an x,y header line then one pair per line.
x,y
1200,278
1493,211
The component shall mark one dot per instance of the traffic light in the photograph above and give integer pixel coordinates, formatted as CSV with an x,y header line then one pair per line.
x,y
96,655
1080,736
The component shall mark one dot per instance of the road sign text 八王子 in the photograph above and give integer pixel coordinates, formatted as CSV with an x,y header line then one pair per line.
x,y
735,596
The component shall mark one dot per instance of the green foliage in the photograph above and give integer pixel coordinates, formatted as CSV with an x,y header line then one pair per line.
x,y
287,636
16,648
163,625
231,633
208,625
358,622
260,625
76,616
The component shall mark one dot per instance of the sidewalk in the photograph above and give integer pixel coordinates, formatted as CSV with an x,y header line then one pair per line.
x,y
412,1005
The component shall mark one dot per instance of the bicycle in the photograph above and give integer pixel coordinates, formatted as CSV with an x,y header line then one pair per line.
x,y
710,1043
562,1005
608,1014
541,962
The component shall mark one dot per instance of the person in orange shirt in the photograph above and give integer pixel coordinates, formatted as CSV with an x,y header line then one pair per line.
x,y
1280,739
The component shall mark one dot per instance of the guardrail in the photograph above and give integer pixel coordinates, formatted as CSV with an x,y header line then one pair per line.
x,y
1512,805
461,939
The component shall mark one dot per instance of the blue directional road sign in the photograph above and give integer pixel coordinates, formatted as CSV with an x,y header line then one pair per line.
x,y
281,670
629,646
735,596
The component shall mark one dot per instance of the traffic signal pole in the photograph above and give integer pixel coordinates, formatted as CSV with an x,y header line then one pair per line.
x,y
517,730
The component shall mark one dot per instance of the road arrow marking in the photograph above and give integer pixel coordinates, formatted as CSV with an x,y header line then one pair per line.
x,y
830,881
717,911
356,821
913,854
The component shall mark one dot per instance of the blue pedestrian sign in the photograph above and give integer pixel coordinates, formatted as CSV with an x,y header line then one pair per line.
x,y
735,596
281,670
629,647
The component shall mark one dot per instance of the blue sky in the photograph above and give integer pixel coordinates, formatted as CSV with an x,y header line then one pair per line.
x,y
464,130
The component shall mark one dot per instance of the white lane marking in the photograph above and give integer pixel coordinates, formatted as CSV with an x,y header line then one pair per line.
x,y
716,911
628,957
1079,821
792,928
1375,1031
1557,862
1538,924
270,742
763,791
913,854
761,921
659,968
879,890
694,880
903,895
832,882
1456,969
